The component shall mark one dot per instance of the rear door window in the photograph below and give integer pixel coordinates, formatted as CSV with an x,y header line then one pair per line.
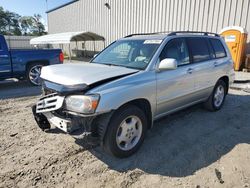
x,y
218,48
199,49
211,49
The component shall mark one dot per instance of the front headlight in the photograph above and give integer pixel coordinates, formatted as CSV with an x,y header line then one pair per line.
x,y
85,104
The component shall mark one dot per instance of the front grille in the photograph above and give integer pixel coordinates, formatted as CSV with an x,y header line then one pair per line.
x,y
49,103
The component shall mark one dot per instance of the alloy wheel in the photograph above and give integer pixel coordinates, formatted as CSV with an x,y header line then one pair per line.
x,y
34,74
129,133
219,96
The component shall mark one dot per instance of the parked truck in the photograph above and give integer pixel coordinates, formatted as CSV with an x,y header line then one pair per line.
x,y
26,63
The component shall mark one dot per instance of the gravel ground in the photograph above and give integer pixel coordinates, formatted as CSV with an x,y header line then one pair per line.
x,y
191,148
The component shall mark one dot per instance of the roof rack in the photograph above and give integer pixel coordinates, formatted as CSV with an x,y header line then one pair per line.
x,y
171,33
193,32
137,34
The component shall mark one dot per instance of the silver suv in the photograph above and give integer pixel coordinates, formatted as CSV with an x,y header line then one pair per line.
x,y
137,79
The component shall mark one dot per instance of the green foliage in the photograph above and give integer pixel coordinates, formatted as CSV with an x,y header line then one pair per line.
x,y
38,28
13,24
26,23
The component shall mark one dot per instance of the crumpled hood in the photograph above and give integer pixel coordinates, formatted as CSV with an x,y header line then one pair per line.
x,y
82,73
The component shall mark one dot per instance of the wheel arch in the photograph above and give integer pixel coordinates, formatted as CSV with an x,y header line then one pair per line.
x,y
226,80
102,121
30,63
145,106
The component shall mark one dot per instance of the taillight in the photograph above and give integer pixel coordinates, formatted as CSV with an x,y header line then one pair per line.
x,y
61,57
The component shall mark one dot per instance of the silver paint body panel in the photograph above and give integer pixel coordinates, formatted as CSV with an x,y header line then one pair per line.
x,y
79,73
166,91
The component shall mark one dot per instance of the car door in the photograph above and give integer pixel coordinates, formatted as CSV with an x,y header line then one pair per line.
x,y
175,87
220,63
5,63
205,66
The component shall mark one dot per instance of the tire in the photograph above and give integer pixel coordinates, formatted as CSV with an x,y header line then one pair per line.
x,y
33,73
126,131
214,103
40,119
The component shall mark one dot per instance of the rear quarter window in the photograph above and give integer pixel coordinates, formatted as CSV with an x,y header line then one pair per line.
x,y
218,47
199,49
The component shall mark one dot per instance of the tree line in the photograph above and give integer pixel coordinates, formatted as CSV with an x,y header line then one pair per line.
x,y
12,23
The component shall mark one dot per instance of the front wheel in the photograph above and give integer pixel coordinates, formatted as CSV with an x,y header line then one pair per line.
x,y
33,73
126,131
217,98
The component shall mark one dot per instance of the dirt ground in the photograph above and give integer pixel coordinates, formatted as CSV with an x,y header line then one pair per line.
x,y
192,148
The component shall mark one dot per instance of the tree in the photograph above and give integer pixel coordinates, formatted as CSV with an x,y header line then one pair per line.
x,y
13,24
26,23
2,20
38,27
9,23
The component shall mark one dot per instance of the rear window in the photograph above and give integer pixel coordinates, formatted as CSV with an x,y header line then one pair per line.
x,y
199,49
219,50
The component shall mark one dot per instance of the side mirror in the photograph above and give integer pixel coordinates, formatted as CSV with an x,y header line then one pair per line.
x,y
167,64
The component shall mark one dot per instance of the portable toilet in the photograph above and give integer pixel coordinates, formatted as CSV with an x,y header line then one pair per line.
x,y
236,38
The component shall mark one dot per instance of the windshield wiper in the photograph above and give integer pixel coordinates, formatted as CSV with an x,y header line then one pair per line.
x,y
125,66
110,64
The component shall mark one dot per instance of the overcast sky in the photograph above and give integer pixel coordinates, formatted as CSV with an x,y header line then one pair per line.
x,y
31,7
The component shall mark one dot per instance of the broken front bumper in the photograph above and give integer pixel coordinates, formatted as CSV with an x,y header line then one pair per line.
x,y
45,112
74,125
61,123
49,114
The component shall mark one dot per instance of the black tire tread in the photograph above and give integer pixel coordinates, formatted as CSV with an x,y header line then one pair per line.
x,y
109,144
209,104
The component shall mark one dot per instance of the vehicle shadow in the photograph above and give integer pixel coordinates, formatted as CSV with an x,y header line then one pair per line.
x,y
13,89
182,143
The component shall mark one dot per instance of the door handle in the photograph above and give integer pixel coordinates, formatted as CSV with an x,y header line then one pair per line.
x,y
216,64
4,56
190,71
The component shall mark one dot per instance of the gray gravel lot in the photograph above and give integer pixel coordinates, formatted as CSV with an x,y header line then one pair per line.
x,y
190,148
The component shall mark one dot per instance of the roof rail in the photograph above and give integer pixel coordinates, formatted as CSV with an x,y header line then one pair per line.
x,y
171,33
136,34
193,32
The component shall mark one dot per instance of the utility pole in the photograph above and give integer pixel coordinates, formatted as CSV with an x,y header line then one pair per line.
x,y
47,22
46,5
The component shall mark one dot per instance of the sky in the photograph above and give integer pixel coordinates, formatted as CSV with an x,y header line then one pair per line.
x,y
31,7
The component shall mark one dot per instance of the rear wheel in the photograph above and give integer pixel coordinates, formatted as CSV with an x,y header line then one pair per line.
x,y
33,73
126,131
217,98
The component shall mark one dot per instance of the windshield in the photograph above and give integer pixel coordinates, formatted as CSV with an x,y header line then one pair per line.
x,y
129,53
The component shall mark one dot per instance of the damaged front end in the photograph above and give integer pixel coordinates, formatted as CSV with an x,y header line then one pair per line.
x,y
51,112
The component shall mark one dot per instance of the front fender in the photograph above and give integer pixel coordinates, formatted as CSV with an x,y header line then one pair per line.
x,y
118,93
